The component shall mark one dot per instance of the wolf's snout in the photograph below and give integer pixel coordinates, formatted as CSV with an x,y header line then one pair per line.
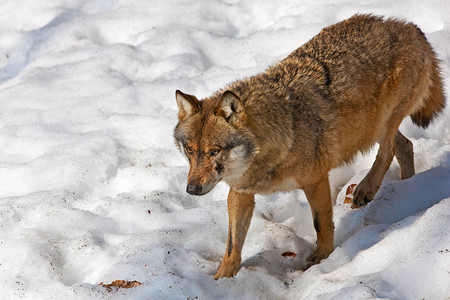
x,y
194,189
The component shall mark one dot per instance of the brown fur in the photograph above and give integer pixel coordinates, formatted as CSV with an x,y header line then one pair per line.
x,y
286,128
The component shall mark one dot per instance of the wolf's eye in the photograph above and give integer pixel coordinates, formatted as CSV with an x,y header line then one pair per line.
x,y
214,152
188,150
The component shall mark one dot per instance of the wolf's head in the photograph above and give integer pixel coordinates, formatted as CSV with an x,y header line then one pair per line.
x,y
213,135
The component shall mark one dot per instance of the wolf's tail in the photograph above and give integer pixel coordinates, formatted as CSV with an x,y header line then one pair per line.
x,y
435,102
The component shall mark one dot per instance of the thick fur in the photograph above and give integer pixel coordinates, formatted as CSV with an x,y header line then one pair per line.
x,y
286,128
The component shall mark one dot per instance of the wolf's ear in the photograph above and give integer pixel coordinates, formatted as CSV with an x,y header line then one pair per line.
x,y
231,107
187,105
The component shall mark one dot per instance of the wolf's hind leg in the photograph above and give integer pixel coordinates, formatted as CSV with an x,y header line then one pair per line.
x,y
368,187
404,153
240,211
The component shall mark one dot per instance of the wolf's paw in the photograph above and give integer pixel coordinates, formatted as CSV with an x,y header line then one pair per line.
x,y
364,193
228,268
316,257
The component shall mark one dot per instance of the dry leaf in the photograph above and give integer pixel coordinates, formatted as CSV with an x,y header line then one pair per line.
x,y
289,254
122,284
349,193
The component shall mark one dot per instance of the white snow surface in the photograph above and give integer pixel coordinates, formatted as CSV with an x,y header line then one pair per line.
x,y
92,185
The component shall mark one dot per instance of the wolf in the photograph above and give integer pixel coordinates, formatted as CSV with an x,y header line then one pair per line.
x,y
346,89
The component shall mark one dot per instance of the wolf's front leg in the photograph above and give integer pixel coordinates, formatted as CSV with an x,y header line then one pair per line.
x,y
240,211
319,199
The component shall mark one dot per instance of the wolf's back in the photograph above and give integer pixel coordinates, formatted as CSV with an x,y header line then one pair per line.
x,y
376,45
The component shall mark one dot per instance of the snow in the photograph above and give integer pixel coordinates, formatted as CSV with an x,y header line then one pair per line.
x,y
92,186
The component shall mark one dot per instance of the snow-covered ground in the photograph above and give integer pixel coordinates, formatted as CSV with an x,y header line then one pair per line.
x,y
91,184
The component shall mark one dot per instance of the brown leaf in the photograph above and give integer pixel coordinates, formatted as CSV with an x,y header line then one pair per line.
x,y
122,284
349,193
289,254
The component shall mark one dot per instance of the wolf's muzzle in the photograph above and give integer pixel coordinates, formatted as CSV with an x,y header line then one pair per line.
x,y
194,189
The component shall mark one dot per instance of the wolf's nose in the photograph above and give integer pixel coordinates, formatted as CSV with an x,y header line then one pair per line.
x,y
194,189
